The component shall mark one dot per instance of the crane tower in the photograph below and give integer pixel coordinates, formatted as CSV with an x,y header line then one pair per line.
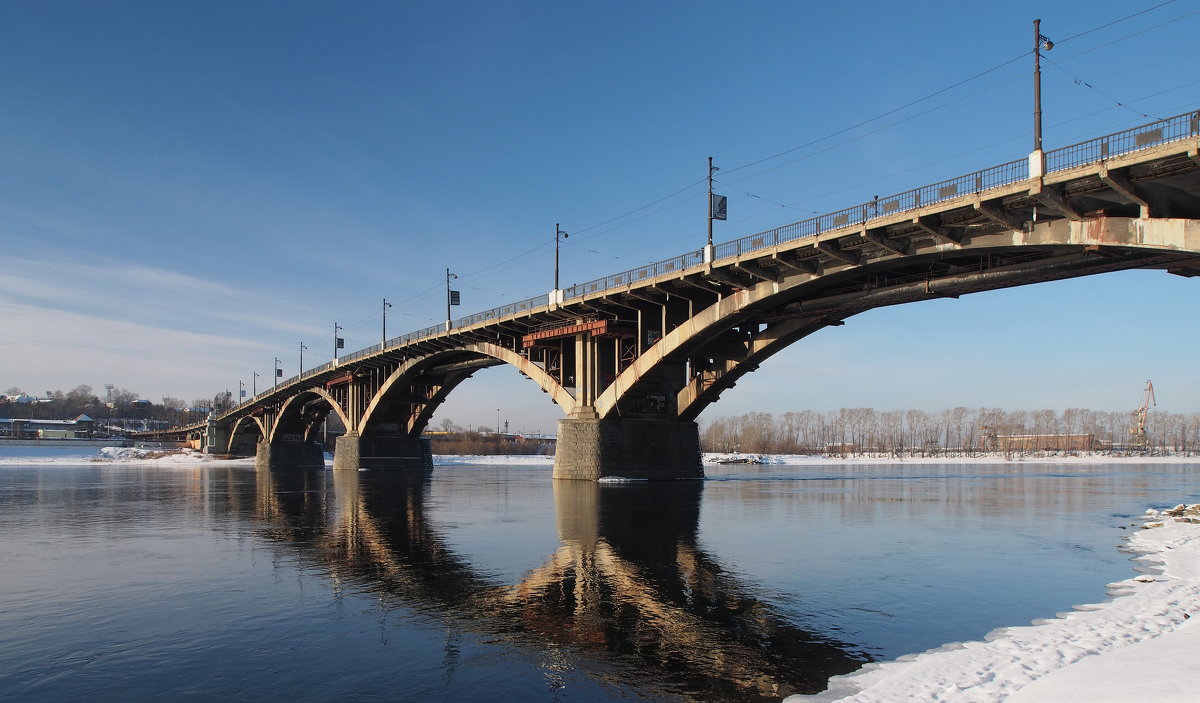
x,y
1138,431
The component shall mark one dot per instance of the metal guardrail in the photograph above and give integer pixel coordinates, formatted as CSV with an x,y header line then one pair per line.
x,y
620,280
1090,151
1153,134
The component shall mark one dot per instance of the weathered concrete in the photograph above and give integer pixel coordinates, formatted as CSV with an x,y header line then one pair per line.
x,y
591,449
216,436
288,455
353,452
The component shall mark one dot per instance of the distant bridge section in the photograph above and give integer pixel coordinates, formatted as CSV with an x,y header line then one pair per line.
x,y
634,358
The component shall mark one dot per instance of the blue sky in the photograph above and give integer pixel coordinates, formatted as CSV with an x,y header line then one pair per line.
x,y
190,190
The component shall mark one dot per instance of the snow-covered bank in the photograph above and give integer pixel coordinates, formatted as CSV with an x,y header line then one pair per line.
x,y
133,455
118,455
716,458
1141,643
494,459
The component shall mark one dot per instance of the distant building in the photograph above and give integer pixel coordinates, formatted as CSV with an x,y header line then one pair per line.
x,y
1051,443
17,428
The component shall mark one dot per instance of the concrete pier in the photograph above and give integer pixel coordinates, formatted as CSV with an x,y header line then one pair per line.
x,y
353,452
591,449
280,455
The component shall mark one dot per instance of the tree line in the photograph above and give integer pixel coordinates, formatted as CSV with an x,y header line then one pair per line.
x,y
916,432
117,403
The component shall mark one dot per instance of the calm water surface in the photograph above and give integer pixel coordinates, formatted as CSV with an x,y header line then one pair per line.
x,y
497,583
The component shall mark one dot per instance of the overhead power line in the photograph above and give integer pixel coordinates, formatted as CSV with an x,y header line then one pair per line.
x,y
642,208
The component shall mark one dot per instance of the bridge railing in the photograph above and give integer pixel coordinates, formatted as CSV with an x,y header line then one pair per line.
x,y
1124,142
620,280
1090,151
536,301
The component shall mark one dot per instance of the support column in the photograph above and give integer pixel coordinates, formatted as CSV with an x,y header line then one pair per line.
x,y
353,452
283,455
591,449
216,437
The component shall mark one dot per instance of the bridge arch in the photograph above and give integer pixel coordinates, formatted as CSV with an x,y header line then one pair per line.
x,y
463,362
245,434
301,413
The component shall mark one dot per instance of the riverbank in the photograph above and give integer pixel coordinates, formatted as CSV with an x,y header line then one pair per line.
x,y
1141,643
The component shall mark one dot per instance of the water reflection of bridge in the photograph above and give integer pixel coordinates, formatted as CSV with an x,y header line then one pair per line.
x,y
628,593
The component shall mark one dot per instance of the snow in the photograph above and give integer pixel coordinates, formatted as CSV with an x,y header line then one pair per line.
x,y
137,455
494,459
1139,645
714,458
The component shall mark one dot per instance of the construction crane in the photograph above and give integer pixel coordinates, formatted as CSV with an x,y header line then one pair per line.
x,y
1138,431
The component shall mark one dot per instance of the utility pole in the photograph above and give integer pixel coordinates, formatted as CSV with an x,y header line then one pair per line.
x,y
716,211
452,297
1037,160
386,305
558,235
711,168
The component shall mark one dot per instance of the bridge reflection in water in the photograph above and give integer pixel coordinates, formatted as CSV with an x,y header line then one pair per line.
x,y
628,597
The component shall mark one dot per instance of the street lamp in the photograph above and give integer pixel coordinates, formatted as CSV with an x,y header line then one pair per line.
x,y
558,236
302,348
1037,165
278,373
716,210
254,384
386,305
452,297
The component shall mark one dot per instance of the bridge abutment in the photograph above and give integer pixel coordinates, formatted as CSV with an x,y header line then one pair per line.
x,y
216,437
276,455
591,449
353,452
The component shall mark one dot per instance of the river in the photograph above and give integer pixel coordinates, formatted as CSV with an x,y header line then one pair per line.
x,y
219,581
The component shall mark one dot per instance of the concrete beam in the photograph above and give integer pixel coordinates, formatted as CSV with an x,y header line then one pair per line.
x,y
833,249
755,271
1053,199
1121,184
997,215
788,259
877,237
925,225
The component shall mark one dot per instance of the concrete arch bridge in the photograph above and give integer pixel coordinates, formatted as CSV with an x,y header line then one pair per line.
x,y
633,358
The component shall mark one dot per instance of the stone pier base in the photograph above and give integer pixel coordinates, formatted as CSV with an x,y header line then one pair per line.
x,y
591,449
288,454
353,452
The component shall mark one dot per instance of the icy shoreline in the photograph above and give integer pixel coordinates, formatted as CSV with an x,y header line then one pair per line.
x,y
123,455
1140,643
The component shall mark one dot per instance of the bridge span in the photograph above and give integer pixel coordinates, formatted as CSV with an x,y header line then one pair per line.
x,y
633,358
